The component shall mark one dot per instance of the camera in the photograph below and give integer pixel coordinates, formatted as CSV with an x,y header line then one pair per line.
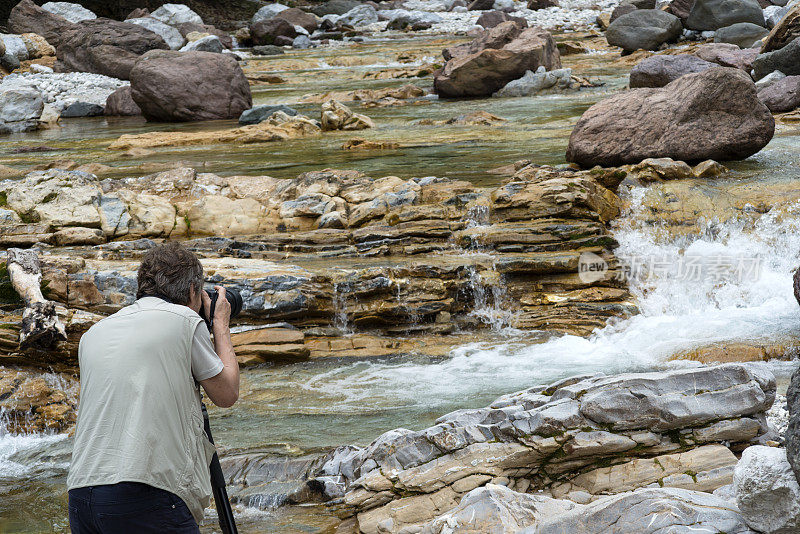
x,y
234,298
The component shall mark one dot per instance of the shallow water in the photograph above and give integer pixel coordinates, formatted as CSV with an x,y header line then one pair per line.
x,y
312,406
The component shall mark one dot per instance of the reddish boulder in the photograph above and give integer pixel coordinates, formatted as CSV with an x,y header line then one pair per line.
x,y
728,55
120,104
105,46
27,17
783,95
714,114
270,31
189,86
298,17
484,72
490,19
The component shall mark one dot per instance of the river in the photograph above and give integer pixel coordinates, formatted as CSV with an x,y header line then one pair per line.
x,y
310,407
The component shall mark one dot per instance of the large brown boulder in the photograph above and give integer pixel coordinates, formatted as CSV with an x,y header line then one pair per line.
x,y
272,31
496,37
786,31
27,17
298,17
105,46
120,104
714,114
189,86
486,71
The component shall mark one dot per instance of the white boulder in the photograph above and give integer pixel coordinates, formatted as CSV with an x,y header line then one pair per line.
x,y
209,43
68,10
176,14
267,12
171,35
767,491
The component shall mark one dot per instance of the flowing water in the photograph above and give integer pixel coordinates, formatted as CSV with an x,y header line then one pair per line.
x,y
725,277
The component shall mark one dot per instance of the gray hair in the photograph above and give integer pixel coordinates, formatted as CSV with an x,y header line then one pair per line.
x,y
170,271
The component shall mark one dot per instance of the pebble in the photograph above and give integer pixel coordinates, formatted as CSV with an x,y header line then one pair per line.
x,y
778,415
63,89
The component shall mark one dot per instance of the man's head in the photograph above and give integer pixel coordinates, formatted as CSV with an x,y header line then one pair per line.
x,y
170,271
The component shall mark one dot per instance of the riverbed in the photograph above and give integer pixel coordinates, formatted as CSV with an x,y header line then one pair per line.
x,y
310,407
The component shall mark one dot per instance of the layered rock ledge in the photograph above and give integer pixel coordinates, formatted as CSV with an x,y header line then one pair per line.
x,y
664,436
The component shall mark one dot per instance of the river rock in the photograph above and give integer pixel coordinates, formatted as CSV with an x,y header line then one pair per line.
x,y
267,12
361,15
20,108
268,50
187,86
37,46
176,14
14,51
490,19
536,82
767,491
660,70
643,29
120,104
170,34
782,95
709,15
786,60
413,20
742,34
209,43
270,31
769,79
652,123
648,511
494,509
190,27
71,12
298,17
784,32
488,70
27,17
106,47
405,478
261,113
82,109
334,7
728,55
680,8
337,116
793,430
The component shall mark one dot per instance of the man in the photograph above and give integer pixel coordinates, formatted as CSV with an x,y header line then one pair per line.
x,y
140,462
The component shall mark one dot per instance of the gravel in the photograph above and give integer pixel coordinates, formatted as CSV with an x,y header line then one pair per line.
x,y
63,89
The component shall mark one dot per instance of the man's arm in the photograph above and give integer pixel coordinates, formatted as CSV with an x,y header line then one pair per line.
x,y
222,389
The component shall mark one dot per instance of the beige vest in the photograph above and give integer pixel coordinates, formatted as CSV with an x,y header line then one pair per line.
x,y
139,416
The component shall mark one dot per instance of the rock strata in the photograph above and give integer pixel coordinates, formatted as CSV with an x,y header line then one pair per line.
x,y
545,437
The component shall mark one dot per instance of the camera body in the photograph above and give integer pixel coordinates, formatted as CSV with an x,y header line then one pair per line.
x,y
234,298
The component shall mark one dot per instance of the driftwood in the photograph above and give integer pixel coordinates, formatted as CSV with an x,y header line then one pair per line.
x,y
40,324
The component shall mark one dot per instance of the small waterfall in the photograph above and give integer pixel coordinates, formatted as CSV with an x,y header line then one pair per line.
x,y
490,300
341,295
412,315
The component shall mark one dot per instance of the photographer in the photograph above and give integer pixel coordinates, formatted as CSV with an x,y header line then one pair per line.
x,y
140,462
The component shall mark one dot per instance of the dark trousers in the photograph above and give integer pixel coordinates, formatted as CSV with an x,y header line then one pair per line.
x,y
128,508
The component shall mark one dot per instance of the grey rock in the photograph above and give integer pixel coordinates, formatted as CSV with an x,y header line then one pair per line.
x,y
268,50
176,14
359,16
20,103
643,29
209,43
793,430
494,509
82,109
622,9
786,60
71,12
782,95
413,20
767,492
490,19
9,62
170,34
14,46
267,12
774,14
742,34
302,42
648,511
659,70
537,82
769,79
716,14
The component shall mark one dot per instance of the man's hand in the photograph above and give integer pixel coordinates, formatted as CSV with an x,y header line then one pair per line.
x,y
222,311
223,389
